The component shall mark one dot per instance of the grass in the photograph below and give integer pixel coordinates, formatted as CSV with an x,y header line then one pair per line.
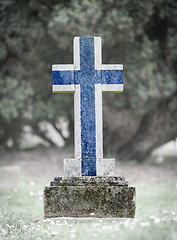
x,y
21,207
21,216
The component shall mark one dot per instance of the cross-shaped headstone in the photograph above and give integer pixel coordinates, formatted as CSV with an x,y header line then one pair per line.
x,y
88,78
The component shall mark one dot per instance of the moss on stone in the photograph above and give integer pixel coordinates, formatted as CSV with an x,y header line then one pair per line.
x,y
81,201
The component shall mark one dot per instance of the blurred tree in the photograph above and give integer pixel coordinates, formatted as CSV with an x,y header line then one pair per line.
x,y
140,34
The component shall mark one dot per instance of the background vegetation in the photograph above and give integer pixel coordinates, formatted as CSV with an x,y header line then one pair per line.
x,y
139,34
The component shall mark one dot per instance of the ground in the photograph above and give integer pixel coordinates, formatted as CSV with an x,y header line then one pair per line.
x,y
24,174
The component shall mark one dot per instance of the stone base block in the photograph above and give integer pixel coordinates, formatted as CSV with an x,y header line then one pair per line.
x,y
89,197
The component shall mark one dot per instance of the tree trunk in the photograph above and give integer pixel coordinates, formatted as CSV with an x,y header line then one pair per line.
x,y
156,127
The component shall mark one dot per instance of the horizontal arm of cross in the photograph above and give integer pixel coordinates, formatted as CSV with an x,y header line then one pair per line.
x,y
112,78
63,78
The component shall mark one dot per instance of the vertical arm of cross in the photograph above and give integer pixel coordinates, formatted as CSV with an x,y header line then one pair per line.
x,y
77,114
98,100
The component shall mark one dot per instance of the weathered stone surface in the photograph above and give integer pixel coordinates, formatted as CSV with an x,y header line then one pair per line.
x,y
89,197
85,181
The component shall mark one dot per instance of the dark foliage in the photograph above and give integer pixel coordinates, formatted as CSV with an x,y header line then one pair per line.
x,y
140,34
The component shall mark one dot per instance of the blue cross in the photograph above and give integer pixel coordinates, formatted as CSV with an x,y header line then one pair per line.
x,y
90,78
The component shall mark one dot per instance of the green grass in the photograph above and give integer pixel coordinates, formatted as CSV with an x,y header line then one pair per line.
x,y
21,216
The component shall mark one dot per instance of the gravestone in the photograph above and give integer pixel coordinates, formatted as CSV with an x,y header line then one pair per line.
x,y
89,187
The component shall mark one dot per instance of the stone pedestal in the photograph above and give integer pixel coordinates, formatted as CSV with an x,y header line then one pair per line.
x,y
89,197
